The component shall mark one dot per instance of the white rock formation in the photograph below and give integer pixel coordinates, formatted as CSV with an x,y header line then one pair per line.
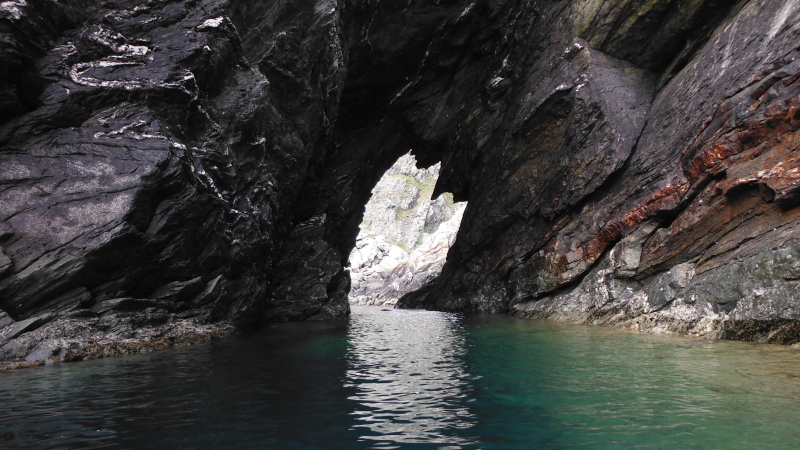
x,y
404,236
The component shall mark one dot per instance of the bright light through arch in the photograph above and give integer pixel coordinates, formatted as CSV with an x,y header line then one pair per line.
x,y
404,236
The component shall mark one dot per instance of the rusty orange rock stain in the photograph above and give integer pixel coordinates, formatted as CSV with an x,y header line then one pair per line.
x,y
732,139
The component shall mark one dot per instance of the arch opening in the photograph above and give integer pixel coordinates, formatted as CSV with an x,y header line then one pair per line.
x,y
404,236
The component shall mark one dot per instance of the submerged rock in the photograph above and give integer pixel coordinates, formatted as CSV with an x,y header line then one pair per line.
x,y
212,159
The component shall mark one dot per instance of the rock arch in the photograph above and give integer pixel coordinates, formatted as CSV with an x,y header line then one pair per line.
x,y
626,162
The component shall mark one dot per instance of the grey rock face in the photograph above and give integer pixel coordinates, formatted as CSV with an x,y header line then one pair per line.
x,y
212,159
693,201
5,320
17,328
159,157
400,208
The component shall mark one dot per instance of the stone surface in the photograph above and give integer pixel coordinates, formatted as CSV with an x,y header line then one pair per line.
x,y
704,184
15,329
215,157
5,320
79,338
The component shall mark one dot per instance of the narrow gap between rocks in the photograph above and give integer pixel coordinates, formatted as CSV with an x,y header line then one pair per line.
x,y
404,236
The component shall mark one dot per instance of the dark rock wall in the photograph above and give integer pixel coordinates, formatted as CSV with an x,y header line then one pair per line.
x,y
210,160
692,159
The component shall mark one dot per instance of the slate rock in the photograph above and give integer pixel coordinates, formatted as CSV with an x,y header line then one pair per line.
x,y
143,144
179,290
15,329
5,320
124,304
5,263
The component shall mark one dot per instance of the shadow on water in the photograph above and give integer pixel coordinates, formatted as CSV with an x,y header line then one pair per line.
x,y
279,388
415,379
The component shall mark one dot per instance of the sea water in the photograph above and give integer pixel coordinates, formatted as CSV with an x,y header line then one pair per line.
x,y
416,379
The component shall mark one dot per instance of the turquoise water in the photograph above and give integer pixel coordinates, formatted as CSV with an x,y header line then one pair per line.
x,y
416,379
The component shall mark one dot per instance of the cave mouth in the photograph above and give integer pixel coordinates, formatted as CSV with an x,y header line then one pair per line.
x,y
404,236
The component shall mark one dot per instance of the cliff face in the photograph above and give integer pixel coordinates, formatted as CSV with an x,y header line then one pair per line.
x,y
635,168
169,166
151,185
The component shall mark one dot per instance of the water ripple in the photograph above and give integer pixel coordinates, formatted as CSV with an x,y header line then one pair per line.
x,y
408,369
415,379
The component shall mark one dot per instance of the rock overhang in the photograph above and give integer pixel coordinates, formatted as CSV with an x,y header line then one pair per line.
x,y
235,144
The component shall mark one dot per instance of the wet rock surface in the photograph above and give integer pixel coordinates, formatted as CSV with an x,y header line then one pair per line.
x,y
155,169
668,240
209,161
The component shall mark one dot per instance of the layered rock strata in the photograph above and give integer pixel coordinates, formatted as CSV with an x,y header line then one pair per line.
x,y
650,191
625,161
152,176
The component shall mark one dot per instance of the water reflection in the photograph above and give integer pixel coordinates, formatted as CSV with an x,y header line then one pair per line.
x,y
408,371
415,379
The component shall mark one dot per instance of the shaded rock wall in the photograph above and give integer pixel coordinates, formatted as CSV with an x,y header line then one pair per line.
x,y
693,184
154,178
210,160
